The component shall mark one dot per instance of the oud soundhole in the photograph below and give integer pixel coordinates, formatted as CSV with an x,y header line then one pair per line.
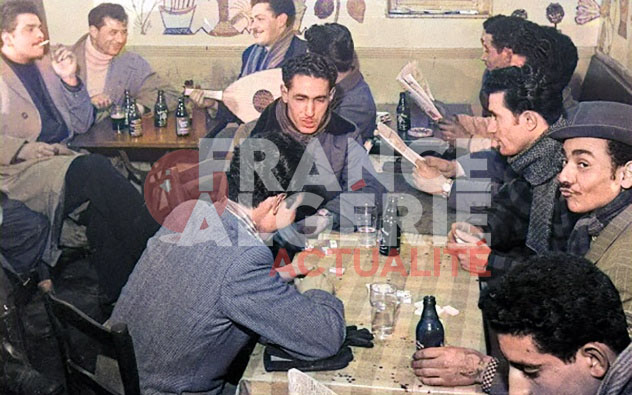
x,y
262,99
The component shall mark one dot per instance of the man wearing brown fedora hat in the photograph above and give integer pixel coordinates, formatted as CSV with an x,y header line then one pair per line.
x,y
596,181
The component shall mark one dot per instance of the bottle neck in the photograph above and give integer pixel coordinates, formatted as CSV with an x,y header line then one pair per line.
x,y
430,310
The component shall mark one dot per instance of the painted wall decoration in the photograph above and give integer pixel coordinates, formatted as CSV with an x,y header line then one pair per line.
x,y
555,13
227,18
586,11
614,39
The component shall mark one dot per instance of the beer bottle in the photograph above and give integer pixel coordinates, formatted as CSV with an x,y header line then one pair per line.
x,y
403,115
160,111
390,231
126,104
429,329
182,119
135,121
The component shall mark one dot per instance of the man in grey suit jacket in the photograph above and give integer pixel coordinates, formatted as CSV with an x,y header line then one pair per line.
x,y
108,70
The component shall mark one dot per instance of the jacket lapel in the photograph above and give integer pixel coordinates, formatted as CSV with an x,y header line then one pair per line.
x,y
608,236
13,82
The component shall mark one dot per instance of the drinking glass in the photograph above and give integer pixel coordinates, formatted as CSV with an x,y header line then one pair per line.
x,y
384,307
366,225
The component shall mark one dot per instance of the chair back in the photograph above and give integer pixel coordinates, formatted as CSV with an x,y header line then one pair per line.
x,y
115,341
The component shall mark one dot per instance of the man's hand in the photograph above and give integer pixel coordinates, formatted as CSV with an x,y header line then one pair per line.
x,y
315,281
35,150
446,167
62,149
449,366
101,101
467,243
64,63
197,97
451,130
428,179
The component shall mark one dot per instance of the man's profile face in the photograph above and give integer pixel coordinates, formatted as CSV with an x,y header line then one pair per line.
x,y
587,179
111,37
509,133
26,37
491,57
307,102
266,26
533,372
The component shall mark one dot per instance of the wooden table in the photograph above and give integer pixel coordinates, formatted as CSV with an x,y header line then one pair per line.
x,y
154,142
385,369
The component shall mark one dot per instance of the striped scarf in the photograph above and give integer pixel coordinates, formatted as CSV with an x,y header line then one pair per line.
x,y
262,59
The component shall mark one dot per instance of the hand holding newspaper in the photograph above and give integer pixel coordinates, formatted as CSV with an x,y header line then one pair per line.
x,y
408,77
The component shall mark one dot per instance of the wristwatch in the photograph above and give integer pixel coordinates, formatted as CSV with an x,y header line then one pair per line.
x,y
446,188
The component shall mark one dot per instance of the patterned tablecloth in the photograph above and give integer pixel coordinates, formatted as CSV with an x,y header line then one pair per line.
x,y
424,269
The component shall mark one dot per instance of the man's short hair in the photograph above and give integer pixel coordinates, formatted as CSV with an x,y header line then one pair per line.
x,y
242,170
503,30
620,154
311,65
97,15
280,7
562,301
526,89
10,10
333,41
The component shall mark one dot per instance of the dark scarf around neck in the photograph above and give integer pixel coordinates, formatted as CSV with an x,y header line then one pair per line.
x,y
539,165
591,224
288,127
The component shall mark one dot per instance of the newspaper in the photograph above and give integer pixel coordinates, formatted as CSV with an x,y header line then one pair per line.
x,y
302,384
413,81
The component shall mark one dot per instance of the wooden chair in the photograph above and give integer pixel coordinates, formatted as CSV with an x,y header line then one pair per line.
x,y
115,341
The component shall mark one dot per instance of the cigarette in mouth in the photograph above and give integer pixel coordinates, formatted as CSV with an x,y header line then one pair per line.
x,y
45,42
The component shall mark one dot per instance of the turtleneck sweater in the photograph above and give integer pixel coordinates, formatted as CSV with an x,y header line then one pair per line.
x,y
97,64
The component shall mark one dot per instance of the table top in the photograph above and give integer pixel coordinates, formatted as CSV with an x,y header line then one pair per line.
x,y
101,136
385,368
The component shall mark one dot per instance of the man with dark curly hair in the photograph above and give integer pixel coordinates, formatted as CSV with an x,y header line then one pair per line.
x,y
561,326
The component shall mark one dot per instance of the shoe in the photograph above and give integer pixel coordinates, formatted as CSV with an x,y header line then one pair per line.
x,y
24,380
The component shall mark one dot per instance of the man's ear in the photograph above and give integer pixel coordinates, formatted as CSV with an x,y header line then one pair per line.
x,y
6,39
93,31
626,182
595,356
530,119
276,203
507,55
285,94
281,20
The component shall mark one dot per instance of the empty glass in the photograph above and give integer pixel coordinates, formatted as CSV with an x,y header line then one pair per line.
x,y
366,225
384,307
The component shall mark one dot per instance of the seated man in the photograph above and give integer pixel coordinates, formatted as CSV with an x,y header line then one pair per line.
x,y
275,43
481,173
43,104
108,72
561,327
353,99
204,288
596,183
304,113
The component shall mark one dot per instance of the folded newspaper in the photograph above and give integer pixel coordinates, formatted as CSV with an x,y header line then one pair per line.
x,y
413,81
302,384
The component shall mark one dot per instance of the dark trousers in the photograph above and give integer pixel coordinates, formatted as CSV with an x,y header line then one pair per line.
x,y
23,234
119,223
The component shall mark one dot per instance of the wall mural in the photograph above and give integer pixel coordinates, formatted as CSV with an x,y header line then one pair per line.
x,y
227,18
615,39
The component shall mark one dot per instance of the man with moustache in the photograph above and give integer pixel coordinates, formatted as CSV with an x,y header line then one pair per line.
x,y
43,103
108,70
596,183
275,43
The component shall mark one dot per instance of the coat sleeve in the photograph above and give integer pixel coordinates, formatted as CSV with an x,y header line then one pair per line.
x,y
79,107
309,326
151,83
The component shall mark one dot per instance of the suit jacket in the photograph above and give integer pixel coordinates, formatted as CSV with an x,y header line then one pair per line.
x,y
128,70
297,47
38,183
